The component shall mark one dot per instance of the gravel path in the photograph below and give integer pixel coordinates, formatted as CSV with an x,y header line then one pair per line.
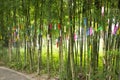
x,y
8,74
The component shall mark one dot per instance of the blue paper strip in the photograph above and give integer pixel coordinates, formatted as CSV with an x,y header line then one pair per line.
x,y
85,21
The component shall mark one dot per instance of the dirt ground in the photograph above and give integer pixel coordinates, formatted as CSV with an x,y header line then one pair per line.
x,y
9,74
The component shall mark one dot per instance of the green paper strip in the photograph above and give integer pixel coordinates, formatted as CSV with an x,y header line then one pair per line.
x,y
100,28
89,50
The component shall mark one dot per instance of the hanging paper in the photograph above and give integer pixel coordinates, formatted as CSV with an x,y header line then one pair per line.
x,y
100,28
92,24
90,50
89,31
75,37
95,26
116,28
106,28
113,20
118,31
59,26
85,21
117,25
113,27
57,44
50,26
102,11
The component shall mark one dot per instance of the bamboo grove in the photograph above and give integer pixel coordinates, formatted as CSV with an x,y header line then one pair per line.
x,y
84,34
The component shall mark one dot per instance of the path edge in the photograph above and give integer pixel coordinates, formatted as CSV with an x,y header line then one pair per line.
x,y
19,73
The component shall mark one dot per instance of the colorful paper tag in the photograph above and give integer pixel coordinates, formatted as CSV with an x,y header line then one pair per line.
x,y
65,29
50,26
115,29
59,26
90,31
102,11
118,31
95,26
112,29
75,37
100,28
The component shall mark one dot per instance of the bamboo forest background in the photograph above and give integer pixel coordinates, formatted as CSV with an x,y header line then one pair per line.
x,y
71,39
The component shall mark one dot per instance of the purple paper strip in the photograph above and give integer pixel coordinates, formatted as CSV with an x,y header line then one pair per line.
x,y
91,31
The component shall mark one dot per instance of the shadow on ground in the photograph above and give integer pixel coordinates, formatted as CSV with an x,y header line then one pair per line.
x,y
8,74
